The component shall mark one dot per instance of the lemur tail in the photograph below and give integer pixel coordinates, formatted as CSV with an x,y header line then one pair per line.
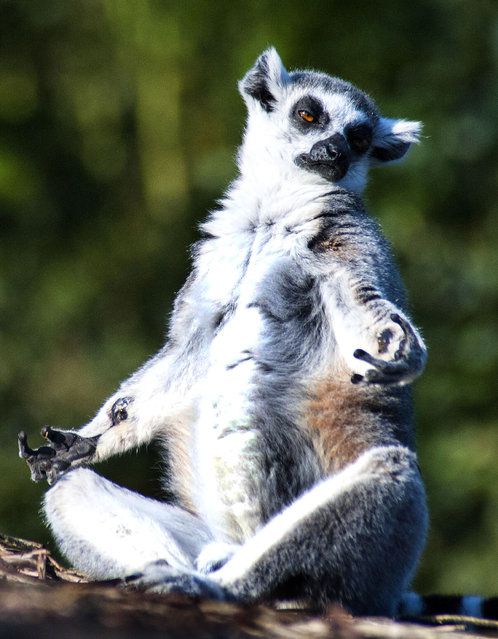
x,y
470,606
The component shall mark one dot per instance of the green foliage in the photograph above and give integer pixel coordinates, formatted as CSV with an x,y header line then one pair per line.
x,y
118,125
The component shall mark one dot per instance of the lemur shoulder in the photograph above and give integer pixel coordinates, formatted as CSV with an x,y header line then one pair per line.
x,y
282,394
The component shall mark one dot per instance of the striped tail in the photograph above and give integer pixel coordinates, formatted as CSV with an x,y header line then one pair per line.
x,y
414,605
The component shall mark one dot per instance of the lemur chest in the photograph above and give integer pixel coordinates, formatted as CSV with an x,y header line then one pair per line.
x,y
243,419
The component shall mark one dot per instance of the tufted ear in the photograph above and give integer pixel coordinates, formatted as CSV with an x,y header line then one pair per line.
x,y
264,82
393,138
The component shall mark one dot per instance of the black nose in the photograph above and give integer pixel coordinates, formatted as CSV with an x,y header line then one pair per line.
x,y
332,154
330,158
332,149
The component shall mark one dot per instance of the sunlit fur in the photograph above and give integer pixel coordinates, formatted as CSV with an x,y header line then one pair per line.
x,y
291,454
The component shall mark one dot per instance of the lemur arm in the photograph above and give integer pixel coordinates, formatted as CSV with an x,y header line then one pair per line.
x,y
151,403
375,339
146,405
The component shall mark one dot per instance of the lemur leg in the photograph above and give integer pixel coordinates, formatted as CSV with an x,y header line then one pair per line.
x,y
107,531
354,538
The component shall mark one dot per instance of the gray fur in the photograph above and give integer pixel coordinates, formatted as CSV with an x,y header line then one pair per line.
x,y
282,396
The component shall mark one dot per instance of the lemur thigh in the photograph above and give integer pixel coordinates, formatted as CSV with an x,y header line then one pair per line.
x,y
354,538
107,531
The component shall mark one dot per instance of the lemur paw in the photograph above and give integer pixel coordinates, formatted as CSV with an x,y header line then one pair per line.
x,y
62,451
404,349
160,578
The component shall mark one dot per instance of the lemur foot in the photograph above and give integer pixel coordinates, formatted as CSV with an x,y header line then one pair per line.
x,y
63,450
407,360
160,578
214,555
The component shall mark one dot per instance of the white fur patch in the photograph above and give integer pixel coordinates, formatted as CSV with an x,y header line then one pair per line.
x,y
129,530
389,130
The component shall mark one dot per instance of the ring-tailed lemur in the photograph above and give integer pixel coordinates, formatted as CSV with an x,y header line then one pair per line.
x,y
283,393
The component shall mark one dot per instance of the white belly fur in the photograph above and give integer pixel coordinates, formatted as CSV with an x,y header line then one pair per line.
x,y
226,451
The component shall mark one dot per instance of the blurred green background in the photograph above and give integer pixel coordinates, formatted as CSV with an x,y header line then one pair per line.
x,y
119,121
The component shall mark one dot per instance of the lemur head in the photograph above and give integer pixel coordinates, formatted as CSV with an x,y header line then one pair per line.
x,y
312,127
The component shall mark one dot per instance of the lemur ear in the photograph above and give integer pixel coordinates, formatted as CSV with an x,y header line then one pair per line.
x,y
393,138
265,80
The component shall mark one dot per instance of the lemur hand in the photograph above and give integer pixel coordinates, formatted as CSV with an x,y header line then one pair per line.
x,y
64,449
404,352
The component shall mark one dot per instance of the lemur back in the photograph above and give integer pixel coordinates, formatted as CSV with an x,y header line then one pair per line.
x,y
282,395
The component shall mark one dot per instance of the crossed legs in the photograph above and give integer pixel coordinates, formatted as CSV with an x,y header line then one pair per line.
x,y
353,538
107,531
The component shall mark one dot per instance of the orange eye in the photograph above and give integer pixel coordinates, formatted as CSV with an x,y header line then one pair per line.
x,y
306,116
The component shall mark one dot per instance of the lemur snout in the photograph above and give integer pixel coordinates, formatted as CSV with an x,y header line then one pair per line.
x,y
330,157
329,150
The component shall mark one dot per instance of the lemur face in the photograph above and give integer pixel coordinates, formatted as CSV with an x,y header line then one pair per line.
x,y
336,129
322,127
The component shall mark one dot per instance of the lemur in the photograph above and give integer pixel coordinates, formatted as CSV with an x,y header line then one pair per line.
x,y
282,396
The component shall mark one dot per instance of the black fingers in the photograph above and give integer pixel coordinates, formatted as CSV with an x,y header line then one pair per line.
x,y
393,374
406,326
59,439
370,359
356,378
409,339
63,450
385,373
40,460
24,450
